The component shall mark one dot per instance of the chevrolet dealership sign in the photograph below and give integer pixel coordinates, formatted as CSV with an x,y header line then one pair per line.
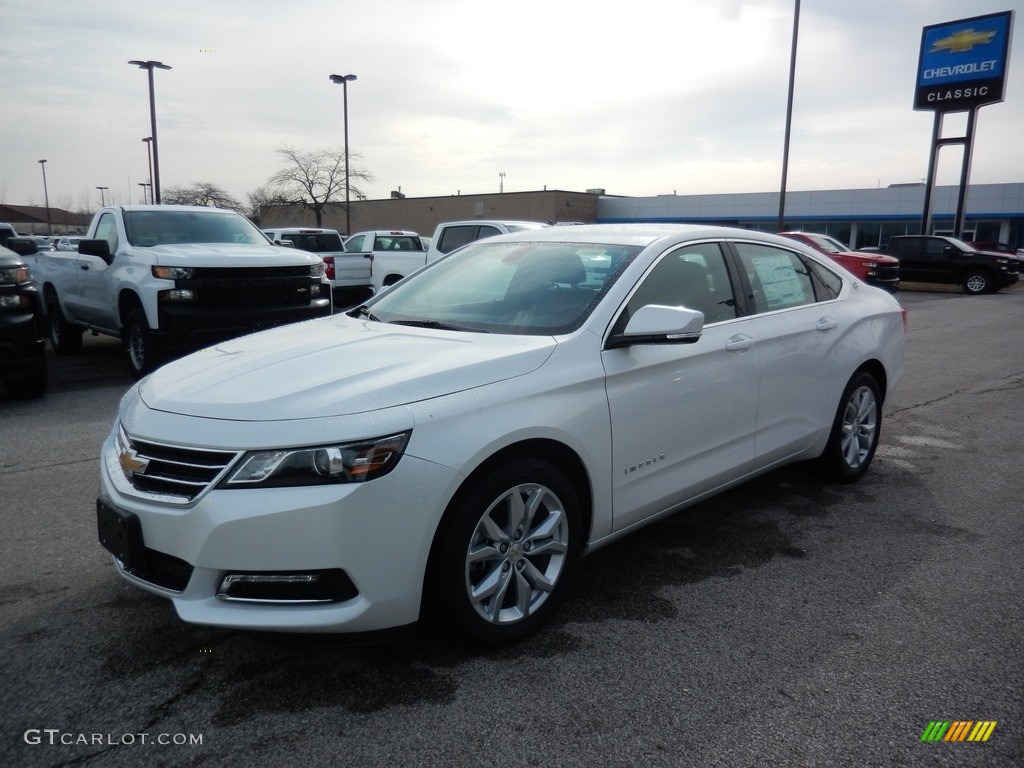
x,y
963,63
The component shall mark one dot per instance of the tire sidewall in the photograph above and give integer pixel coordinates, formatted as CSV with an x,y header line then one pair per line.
x,y
832,460
449,596
137,329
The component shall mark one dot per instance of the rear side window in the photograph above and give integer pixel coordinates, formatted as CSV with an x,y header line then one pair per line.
x,y
779,279
456,237
319,242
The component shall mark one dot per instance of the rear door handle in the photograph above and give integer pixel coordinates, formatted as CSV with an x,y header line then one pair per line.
x,y
827,324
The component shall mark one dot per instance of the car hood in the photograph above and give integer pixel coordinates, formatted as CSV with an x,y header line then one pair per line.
x,y
226,254
881,258
334,367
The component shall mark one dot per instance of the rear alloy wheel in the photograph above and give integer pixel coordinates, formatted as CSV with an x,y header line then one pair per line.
x,y
977,282
855,430
140,345
508,555
66,339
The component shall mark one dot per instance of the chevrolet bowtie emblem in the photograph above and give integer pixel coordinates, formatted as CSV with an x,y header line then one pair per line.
x,y
962,41
131,463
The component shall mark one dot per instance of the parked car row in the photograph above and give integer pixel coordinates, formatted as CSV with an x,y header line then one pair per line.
x,y
978,267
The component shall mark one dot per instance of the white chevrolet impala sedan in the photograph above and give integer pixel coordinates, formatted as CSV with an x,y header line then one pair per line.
x,y
452,447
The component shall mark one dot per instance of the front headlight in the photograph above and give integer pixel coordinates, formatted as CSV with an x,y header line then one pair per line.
x,y
174,273
319,465
317,270
13,275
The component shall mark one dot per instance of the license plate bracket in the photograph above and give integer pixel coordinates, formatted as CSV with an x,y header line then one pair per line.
x,y
120,533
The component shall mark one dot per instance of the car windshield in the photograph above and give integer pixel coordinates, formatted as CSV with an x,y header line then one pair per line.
x,y
149,228
827,244
523,288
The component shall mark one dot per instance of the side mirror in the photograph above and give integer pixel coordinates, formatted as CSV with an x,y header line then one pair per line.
x,y
100,248
23,246
656,324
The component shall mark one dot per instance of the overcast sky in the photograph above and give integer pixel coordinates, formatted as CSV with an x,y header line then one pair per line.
x,y
640,97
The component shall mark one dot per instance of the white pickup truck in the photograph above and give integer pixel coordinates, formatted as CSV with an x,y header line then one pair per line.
x,y
165,277
397,253
349,273
392,253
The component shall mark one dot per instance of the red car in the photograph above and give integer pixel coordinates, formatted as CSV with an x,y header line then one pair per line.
x,y
873,268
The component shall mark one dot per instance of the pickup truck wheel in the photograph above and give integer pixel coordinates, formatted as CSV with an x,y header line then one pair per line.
x,y
66,339
505,560
977,282
140,344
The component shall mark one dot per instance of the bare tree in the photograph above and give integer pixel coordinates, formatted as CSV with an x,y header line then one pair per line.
x,y
201,193
264,196
315,178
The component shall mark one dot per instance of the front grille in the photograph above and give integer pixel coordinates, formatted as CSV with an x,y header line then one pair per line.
x,y
169,470
229,287
254,296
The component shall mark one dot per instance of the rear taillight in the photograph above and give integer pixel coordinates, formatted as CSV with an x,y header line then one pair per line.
x,y
329,265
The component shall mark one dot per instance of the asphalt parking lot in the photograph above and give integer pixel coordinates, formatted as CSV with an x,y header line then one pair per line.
x,y
785,623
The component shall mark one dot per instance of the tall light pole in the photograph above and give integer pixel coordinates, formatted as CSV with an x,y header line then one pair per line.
x,y
149,151
46,197
103,200
344,80
150,66
789,117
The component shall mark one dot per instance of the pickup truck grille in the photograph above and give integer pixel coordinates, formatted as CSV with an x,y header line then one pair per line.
x,y
171,470
225,287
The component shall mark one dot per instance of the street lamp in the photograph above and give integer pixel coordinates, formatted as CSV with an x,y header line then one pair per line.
x,y
46,197
344,80
103,200
150,66
149,151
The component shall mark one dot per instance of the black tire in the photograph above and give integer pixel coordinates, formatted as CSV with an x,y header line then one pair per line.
x,y
31,387
976,282
139,344
506,557
855,430
65,338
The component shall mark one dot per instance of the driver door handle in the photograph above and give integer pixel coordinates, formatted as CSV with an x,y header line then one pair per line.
x,y
739,343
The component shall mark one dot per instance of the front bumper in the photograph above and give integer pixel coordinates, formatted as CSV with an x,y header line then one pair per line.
x,y
22,346
378,534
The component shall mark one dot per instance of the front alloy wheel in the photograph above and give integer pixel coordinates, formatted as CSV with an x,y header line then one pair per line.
x,y
508,555
977,282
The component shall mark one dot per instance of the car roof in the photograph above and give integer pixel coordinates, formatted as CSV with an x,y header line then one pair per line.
x,y
643,234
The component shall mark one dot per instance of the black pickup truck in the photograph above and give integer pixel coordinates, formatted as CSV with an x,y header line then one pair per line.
x,y
940,259
22,324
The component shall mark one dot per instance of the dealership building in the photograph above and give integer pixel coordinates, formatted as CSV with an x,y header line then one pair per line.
x,y
859,217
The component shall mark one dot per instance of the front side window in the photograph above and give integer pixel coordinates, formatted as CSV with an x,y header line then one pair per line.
x,y
355,243
106,229
691,276
778,278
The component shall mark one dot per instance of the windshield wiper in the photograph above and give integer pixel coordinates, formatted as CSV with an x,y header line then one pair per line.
x,y
362,311
438,325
